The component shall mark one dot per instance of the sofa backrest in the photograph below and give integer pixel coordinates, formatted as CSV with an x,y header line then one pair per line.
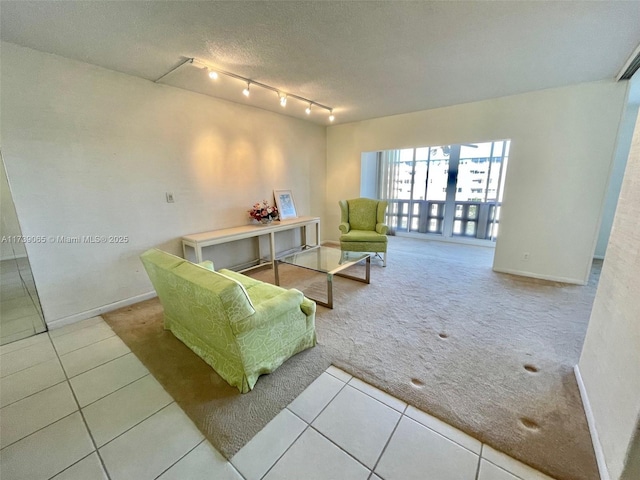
x,y
195,294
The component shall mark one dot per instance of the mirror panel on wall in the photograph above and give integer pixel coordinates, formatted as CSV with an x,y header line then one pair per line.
x,y
20,310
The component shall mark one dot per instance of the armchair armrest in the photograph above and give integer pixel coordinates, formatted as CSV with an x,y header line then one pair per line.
x,y
268,310
382,228
344,227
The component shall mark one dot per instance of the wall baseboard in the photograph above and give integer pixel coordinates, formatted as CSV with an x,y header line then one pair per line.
x,y
595,440
61,322
551,278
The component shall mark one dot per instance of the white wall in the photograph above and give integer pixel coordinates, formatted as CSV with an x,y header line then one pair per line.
x,y
625,133
561,153
92,152
610,360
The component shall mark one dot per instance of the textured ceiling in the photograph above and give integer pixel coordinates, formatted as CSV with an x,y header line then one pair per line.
x,y
365,59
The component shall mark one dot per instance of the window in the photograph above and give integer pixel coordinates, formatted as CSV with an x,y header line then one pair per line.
x,y
445,190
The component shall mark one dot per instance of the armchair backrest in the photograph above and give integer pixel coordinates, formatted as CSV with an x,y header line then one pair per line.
x,y
363,213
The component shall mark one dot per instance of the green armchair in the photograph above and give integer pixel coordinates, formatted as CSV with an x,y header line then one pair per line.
x,y
362,226
240,326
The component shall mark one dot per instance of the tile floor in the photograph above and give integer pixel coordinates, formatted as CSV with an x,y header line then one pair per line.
x,y
20,313
77,404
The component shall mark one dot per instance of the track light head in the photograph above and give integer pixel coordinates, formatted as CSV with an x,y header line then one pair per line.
x,y
215,73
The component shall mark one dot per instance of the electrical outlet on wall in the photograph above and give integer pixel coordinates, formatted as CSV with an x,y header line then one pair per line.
x,y
169,197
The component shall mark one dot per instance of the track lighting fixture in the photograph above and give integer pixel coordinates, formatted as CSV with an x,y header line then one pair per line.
x,y
214,74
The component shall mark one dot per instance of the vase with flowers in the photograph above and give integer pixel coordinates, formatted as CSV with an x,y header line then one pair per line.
x,y
263,212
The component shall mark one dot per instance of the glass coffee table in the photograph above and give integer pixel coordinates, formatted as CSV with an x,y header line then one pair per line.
x,y
330,261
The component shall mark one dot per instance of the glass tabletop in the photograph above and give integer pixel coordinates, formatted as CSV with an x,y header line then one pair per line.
x,y
323,259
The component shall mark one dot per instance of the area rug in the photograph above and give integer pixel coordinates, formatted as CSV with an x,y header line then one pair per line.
x,y
491,354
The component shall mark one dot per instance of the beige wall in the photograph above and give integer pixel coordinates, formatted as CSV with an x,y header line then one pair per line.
x,y
90,151
610,360
563,142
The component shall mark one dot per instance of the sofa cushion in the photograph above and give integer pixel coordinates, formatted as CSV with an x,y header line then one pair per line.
x,y
246,282
258,291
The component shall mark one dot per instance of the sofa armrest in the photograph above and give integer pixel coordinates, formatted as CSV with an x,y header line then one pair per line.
x,y
344,227
208,264
308,307
268,310
382,228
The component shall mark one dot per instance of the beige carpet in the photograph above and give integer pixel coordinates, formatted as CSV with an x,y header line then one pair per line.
x,y
489,353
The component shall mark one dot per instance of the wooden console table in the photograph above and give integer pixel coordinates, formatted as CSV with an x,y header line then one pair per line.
x,y
215,237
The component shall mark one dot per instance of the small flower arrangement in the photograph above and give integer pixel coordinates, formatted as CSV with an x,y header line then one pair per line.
x,y
263,212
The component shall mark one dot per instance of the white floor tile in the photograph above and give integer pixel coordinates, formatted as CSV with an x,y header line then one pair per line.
x,y
30,414
17,360
17,308
17,329
105,379
81,338
72,327
29,381
415,450
358,424
27,342
313,457
374,477
378,394
202,463
151,447
116,413
445,429
488,471
16,336
512,465
89,468
48,451
315,397
339,374
86,358
263,450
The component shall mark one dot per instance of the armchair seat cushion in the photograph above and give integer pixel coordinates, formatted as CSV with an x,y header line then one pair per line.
x,y
363,236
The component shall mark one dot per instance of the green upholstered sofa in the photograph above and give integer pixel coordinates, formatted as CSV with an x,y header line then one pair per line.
x,y
362,226
240,326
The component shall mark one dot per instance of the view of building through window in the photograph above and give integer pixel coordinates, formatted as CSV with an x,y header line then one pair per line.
x,y
449,190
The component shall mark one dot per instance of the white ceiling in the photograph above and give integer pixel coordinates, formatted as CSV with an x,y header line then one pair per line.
x,y
365,59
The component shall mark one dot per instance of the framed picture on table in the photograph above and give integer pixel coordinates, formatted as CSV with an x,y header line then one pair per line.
x,y
286,205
